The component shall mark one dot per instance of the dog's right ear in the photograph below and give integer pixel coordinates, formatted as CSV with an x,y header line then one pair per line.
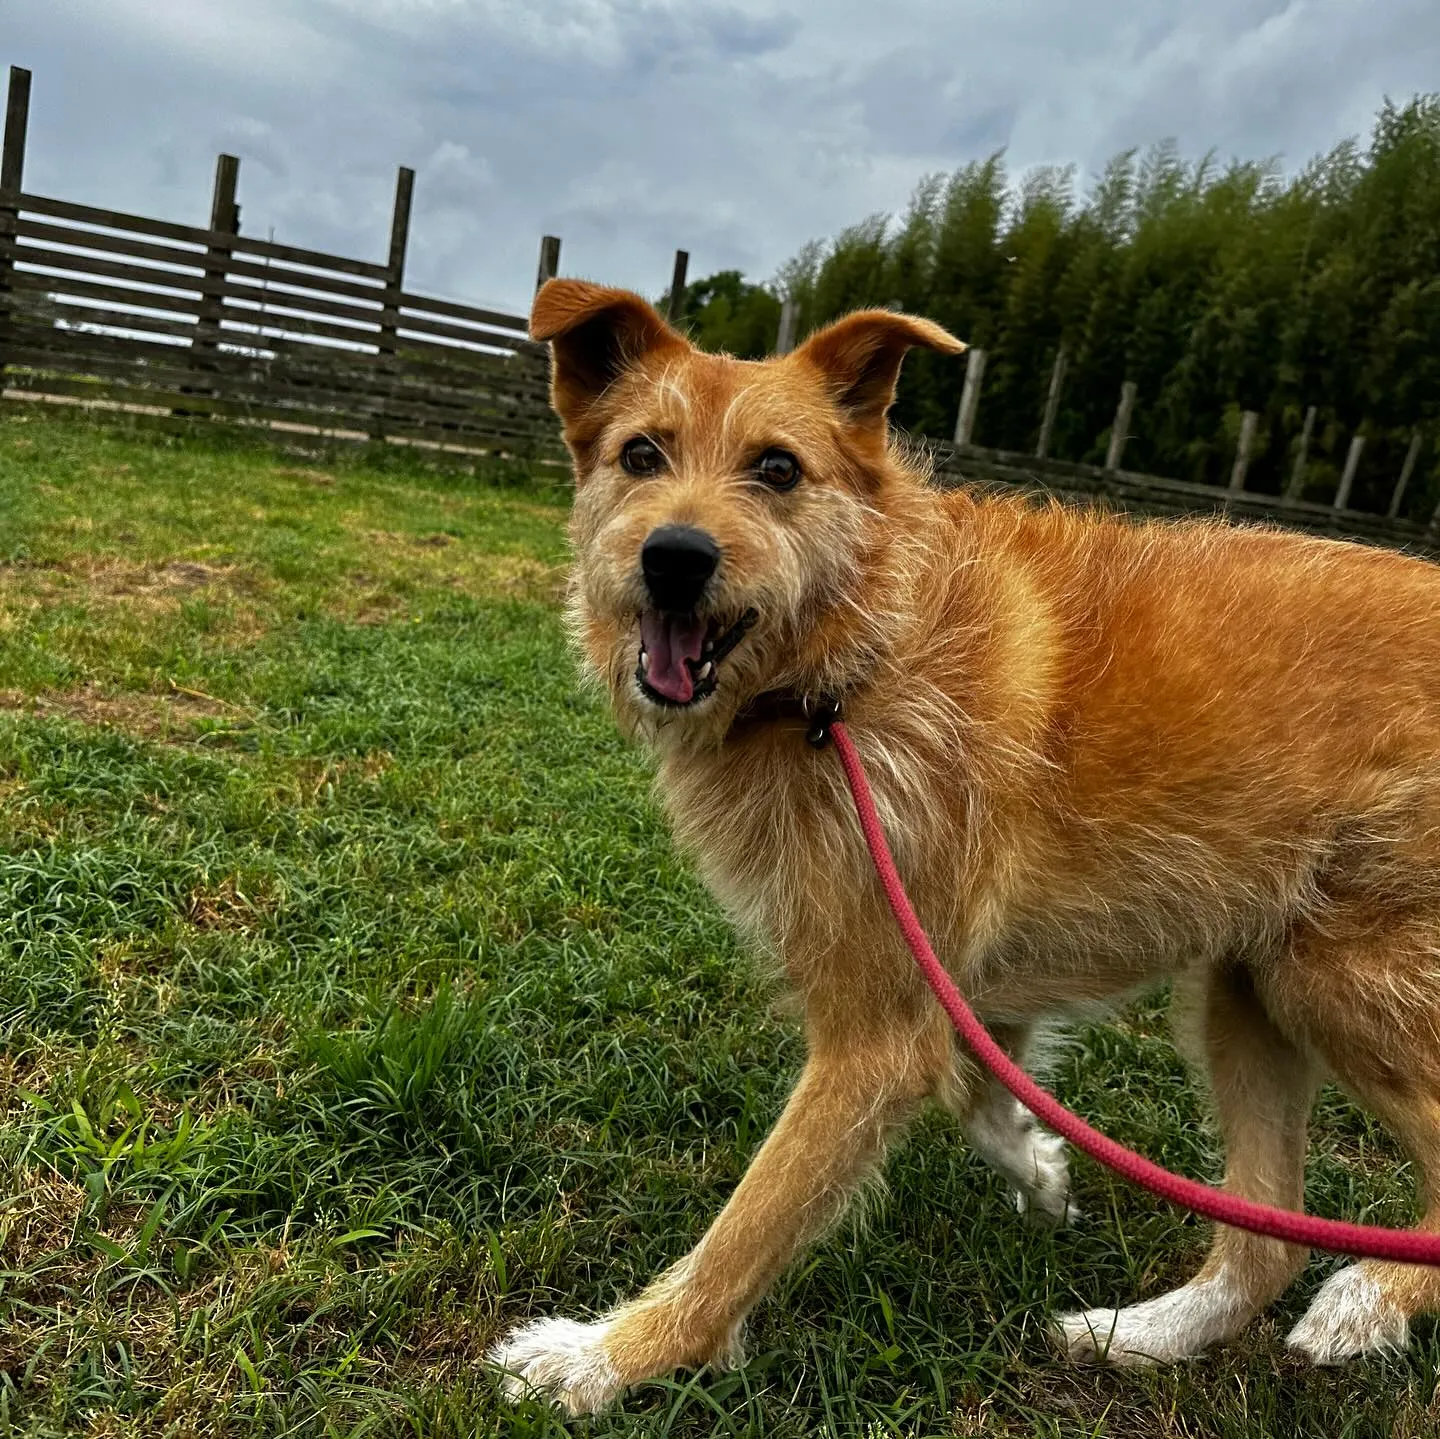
x,y
595,335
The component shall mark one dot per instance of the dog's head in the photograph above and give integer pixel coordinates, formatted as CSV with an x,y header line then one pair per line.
x,y
727,513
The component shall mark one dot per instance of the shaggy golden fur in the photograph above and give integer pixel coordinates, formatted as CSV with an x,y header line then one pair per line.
x,y
1106,754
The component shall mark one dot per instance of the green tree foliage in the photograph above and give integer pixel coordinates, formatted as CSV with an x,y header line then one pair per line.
x,y
1216,288
725,313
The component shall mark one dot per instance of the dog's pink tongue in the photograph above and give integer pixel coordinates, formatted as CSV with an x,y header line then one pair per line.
x,y
670,640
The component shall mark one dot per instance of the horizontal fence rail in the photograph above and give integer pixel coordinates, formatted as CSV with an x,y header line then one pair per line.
x,y
117,310
295,336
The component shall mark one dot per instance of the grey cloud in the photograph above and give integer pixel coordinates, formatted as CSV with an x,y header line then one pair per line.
x,y
737,129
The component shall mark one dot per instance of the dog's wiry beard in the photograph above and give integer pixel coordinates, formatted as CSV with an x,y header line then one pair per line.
x,y
787,595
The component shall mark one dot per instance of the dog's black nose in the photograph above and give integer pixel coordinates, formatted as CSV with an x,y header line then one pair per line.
x,y
678,560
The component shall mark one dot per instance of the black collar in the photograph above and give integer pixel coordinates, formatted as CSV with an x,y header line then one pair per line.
x,y
816,712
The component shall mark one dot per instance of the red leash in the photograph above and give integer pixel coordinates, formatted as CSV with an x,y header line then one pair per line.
x,y
1367,1240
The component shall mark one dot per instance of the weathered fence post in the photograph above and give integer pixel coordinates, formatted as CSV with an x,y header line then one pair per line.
x,y
1052,405
549,260
1406,470
970,397
677,286
1347,477
1120,430
789,322
224,227
394,288
12,176
1297,475
395,265
1248,421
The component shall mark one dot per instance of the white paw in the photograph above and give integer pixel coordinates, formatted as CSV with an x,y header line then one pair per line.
x,y
560,1360
1177,1325
1032,1159
1043,1192
1350,1316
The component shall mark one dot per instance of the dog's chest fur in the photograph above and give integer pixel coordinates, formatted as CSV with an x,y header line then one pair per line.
x,y
1103,767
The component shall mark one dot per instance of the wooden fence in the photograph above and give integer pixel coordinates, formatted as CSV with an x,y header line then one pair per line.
x,y
1135,493
122,311
1171,495
184,322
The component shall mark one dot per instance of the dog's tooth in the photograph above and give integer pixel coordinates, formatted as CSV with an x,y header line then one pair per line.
x,y
706,670
644,662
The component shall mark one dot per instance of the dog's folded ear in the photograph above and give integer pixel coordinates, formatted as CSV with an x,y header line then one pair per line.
x,y
595,334
860,358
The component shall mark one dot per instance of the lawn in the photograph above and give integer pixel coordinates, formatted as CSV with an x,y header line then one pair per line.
x,y
355,1007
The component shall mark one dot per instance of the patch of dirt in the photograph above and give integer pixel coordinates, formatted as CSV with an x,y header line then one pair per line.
x,y
440,558
140,589
524,577
226,906
137,978
113,574
322,478
40,1217
318,779
140,715
34,1070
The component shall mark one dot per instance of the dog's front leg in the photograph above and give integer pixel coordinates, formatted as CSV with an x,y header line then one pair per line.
x,y
833,1131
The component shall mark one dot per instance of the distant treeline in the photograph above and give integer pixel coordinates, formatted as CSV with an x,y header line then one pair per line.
x,y
1216,288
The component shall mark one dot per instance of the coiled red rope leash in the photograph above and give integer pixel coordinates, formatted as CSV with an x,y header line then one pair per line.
x,y
1369,1241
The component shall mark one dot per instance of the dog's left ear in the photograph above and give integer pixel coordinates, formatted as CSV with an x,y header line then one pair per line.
x,y
860,358
595,335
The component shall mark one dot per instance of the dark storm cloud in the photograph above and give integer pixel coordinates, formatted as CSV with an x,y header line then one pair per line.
x,y
630,127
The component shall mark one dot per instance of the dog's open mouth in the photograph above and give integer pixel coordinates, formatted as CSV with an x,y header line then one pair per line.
x,y
680,655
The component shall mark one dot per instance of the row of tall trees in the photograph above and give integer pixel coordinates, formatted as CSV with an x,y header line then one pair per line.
x,y
1216,288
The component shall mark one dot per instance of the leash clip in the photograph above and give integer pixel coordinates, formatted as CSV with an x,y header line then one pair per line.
x,y
822,713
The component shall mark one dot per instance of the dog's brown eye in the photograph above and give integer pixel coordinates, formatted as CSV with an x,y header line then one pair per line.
x,y
641,456
779,469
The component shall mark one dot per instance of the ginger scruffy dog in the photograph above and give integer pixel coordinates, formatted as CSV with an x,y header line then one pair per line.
x,y
1105,753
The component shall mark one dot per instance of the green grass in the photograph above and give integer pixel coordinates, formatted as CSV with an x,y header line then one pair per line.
x,y
355,1007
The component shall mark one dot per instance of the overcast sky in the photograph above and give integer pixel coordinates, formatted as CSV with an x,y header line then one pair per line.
x,y
737,129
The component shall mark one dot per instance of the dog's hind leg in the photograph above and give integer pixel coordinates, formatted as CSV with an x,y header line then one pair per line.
x,y
1006,1135
851,1098
1263,1087
1369,999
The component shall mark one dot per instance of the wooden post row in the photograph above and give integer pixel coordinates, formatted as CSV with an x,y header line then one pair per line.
x,y
12,176
1347,478
677,286
1406,470
1120,430
1248,421
1297,475
395,264
789,319
549,260
17,123
1052,405
394,286
225,222
970,397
